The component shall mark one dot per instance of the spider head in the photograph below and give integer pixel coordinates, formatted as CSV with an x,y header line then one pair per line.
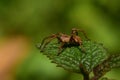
x,y
74,31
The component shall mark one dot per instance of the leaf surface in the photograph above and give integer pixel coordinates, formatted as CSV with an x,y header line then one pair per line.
x,y
89,54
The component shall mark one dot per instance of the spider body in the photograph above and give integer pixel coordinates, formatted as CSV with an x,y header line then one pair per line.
x,y
64,39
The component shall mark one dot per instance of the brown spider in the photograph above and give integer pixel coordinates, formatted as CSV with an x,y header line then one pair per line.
x,y
64,39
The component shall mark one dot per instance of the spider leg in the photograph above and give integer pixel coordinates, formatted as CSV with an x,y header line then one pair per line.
x,y
83,32
47,40
82,49
61,49
78,49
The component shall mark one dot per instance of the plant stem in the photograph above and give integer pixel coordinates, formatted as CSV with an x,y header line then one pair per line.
x,y
85,76
84,73
94,78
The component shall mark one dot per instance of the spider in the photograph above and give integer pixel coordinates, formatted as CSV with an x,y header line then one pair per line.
x,y
64,39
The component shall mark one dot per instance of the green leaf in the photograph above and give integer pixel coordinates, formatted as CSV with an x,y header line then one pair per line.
x,y
89,54
95,54
113,61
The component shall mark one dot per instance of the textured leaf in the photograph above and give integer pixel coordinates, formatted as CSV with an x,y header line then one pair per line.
x,y
95,54
112,62
90,54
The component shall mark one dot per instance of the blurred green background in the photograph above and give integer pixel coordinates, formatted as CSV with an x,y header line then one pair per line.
x,y
33,20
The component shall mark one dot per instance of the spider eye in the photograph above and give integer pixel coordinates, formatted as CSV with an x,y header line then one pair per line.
x,y
75,32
